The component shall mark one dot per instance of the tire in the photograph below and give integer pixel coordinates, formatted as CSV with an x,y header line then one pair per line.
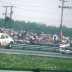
x,y
9,46
63,52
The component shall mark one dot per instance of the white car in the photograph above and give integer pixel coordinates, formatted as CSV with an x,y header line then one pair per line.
x,y
6,40
64,45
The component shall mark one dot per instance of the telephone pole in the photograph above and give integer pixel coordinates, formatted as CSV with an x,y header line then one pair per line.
x,y
11,15
5,15
8,18
62,10
61,21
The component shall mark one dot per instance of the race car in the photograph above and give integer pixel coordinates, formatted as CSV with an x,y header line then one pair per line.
x,y
5,40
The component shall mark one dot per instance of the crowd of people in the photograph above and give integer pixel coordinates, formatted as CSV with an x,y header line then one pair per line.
x,y
31,37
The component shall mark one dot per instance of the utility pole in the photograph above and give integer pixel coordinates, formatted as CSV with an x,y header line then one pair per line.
x,y
11,15
5,15
61,21
8,19
62,10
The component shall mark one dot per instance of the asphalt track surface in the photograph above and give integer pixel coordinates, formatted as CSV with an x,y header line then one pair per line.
x,y
36,53
13,71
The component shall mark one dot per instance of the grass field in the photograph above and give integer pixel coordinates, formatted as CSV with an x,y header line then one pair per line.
x,y
32,62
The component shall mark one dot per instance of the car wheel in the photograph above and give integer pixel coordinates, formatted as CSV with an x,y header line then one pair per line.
x,y
9,46
63,52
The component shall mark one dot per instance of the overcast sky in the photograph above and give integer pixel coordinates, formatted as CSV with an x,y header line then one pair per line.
x,y
40,11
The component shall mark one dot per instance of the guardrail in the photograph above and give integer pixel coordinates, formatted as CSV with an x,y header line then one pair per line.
x,y
34,47
37,48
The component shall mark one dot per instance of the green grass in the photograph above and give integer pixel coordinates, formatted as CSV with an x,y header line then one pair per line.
x,y
32,62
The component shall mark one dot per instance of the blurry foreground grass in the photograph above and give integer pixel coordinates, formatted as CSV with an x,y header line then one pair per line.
x,y
32,62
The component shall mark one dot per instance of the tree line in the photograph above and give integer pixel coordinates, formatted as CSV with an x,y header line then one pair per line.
x,y
36,27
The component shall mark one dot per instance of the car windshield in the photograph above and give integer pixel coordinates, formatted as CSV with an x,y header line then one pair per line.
x,y
2,36
36,35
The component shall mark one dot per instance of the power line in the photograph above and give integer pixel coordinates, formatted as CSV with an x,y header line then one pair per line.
x,y
20,5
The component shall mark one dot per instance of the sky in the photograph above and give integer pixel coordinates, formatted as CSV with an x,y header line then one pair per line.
x,y
39,11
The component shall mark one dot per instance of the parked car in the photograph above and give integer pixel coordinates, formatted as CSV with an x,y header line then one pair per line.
x,y
5,40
